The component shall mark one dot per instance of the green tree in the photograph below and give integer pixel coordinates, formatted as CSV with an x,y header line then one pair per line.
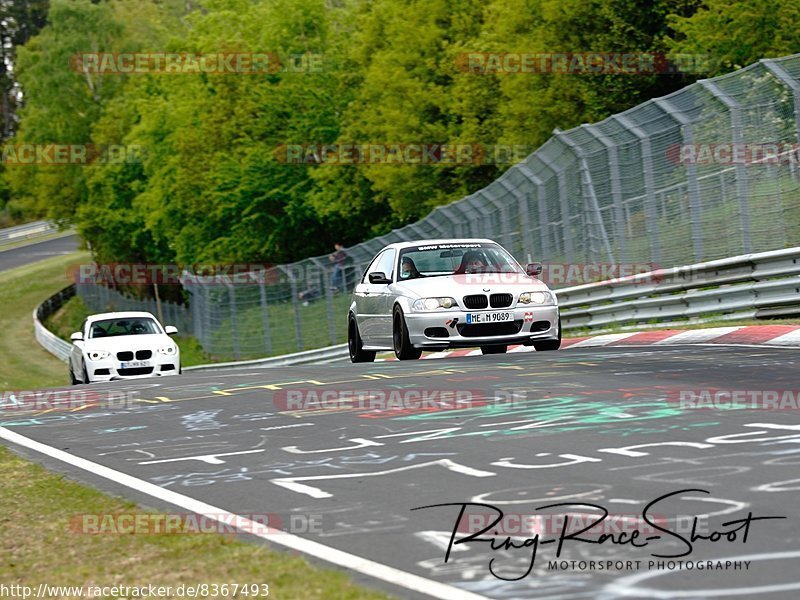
x,y
61,104
735,33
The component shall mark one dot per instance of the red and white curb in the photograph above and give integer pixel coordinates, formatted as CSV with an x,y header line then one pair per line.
x,y
755,335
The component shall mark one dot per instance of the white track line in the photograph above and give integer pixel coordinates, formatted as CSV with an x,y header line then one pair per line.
x,y
787,339
696,335
602,340
331,555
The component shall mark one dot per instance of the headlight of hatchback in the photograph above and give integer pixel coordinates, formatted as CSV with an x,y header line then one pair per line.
x,y
429,304
168,350
98,354
536,298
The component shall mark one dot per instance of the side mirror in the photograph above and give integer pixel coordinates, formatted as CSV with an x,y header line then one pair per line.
x,y
76,337
170,330
378,278
533,269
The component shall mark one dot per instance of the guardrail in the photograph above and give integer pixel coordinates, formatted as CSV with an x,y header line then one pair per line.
x,y
317,357
734,288
731,288
61,348
12,235
46,338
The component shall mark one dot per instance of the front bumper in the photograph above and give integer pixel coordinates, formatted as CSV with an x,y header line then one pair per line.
x,y
448,328
110,369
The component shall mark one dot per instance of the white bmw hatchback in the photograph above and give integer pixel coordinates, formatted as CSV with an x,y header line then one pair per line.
x,y
122,345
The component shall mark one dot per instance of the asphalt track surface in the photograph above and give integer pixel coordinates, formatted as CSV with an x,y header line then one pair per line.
x,y
594,425
31,253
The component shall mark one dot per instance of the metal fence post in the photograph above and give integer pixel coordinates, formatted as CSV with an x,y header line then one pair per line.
x,y
785,78
695,206
616,191
234,324
288,270
524,217
563,201
650,208
544,225
742,187
589,193
264,314
327,281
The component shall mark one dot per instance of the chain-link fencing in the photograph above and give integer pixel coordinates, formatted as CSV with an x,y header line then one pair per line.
x,y
708,172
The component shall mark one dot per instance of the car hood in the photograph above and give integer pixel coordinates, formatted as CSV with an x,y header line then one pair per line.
x,y
457,286
149,341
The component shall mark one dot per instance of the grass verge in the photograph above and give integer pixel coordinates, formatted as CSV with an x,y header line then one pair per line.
x,y
23,363
38,544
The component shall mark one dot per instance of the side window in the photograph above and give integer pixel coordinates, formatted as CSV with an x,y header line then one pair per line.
x,y
372,268
83,329
386,263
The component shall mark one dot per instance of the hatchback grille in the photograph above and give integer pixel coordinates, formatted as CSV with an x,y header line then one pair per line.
x,y
489,329
500,300
143,354
125,355
475,301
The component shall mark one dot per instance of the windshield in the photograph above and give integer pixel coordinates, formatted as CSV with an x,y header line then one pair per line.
x,y
433,260
129,326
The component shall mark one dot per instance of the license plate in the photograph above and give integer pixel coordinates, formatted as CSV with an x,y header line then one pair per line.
x,y
499,316
134,364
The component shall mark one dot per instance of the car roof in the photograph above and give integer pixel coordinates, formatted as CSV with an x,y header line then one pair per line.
x,y
119,315
401,245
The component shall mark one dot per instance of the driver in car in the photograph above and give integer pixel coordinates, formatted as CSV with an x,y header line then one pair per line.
x,y
408,270
471,262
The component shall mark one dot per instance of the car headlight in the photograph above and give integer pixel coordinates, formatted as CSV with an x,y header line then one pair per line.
x,y
433,303
98,354
168,350
535,298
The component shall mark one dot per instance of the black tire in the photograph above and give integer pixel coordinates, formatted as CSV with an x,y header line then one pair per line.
x,y
354,345
546,345
403,349
85,375
72,379
494,349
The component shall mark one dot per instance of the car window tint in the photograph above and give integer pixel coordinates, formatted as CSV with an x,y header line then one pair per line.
x,y
373,267
436,259
385,264
127,326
